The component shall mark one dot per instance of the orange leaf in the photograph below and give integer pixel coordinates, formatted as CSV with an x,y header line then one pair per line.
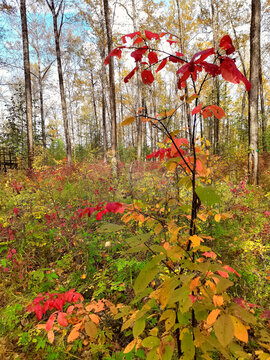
x,y
130,346
194,283
94,318
217,111
240,331
218,300
73,335
50,336
212,317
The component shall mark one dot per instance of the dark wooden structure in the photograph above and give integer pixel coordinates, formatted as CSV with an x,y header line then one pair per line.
x,y
8,160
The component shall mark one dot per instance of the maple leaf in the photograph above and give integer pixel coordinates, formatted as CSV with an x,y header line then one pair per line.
x,y
230,72
147,77
226,44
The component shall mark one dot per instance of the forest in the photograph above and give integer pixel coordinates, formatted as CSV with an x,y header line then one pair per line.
x,y
134,179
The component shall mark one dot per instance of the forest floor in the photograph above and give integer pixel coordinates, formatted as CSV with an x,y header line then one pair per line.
x,y
84,236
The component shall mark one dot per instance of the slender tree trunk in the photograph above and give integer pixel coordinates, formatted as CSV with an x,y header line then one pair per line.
x,y
253,157
111,86
215,20
57,33
264,119
27,80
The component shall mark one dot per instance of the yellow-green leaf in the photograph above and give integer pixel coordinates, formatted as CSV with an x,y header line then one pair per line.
x,y
138,327
90,329
147,274
223,328
150,342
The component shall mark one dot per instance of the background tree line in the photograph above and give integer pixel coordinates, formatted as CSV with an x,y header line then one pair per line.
x,y
57,93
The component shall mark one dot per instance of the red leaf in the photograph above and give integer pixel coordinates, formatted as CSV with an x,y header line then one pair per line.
x,y
230,72
15,210
50,322
138,41
151,35
202,55
217,111
161,65
175,59
223,274
210,254
230,269
147,77
206,113
199,166
62,319
197,109
226,44
115,52
99,215
211,69
131,36
152,57
130,75
138,53
178,143
38,311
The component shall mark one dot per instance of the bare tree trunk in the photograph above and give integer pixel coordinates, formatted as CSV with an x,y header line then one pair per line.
x,y
27,80
264,119
57,33
214,7
255,27
111,86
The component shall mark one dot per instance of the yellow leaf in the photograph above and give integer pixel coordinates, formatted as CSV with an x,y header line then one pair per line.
x,y
212,317
196,240
83,276
191,98
217,217
240,331
218,300
130,346
128,121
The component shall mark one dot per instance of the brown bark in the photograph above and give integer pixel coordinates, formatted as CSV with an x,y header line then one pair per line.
x,y
27,80
253,156
264,119
111,86
57,32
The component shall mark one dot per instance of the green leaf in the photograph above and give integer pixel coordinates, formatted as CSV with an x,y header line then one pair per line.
x,y
138,327
223,284
243,314
223,328
208,195
150,342
110,228
147,274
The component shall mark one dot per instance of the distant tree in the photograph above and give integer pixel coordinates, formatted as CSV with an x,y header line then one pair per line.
x,y
27,82
58,12
255,49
